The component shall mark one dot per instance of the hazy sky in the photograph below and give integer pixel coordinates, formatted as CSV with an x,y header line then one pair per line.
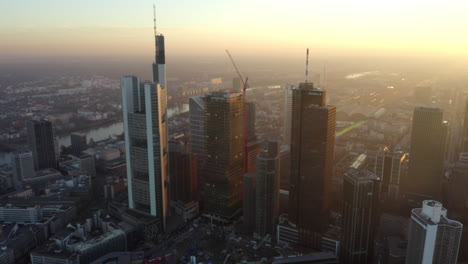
x,y
192,27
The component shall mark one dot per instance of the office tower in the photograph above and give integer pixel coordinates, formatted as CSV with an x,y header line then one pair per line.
x,y
312,154
287,113
224,145
458,185
41,143
427,153
78,143
267,189
253,149
253,145
360,203
250,108
144,114
465,129
182,173
197,140
432,237
285,172
389,167
197,126
248,202
23,165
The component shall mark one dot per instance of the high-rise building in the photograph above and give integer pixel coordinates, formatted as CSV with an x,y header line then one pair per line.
x,y
224,145
389,167
285,172
253,145
360,203
465,130
182,173
253,149
287,114
248,202
250,108
197,126
458,185
41,143
78,143
427,153
197,140
145,116
267,189
23,165
312,154
432,237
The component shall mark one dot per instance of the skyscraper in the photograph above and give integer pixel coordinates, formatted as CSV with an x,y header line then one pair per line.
x,y
267,189
144,113
182,173
224,145
432,237
427,153
389,167
198,139
465,130
253,145
197,126
23,165
250,108
41,142
78,143
360,203
312,154
458,185
287,114
248,202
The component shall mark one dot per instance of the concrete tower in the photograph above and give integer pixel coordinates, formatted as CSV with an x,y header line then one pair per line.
x,y
433,238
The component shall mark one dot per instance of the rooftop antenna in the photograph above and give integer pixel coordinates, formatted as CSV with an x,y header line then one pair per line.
x,y
307,66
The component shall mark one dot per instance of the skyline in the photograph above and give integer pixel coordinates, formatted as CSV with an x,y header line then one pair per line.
x,y
105,28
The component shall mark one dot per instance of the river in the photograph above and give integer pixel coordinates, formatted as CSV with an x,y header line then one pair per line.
x,y
101,133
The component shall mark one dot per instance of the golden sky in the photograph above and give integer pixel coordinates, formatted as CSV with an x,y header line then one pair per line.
x,y
124,27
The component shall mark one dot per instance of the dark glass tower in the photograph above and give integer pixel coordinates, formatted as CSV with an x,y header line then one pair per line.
x,y
360,204
224,145
267,189
465,130
312,154
41,142
427,153
159,65
78,143
182,173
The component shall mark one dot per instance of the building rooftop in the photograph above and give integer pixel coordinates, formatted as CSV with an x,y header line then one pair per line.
x,y
432,213
318,257
361,175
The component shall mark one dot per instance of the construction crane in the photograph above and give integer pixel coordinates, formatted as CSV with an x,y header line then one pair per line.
x,y
245,86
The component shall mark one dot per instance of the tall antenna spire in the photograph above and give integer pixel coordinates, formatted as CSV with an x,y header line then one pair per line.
x,y
307,66
155,34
